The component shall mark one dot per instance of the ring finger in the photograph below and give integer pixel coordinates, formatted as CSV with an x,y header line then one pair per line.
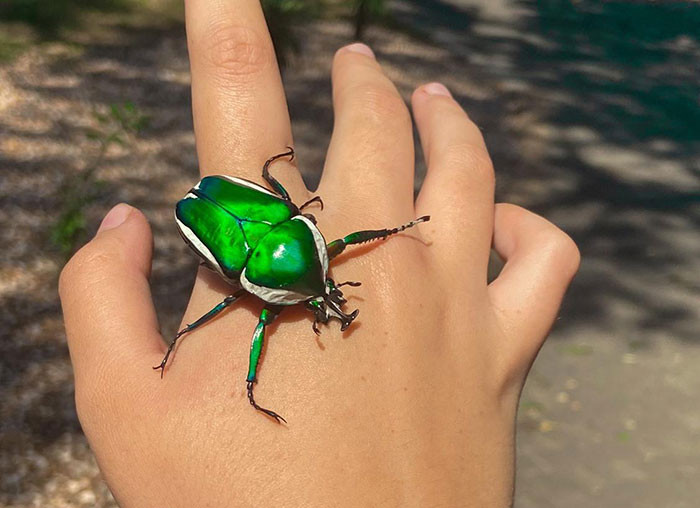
x,y
369,166
458,190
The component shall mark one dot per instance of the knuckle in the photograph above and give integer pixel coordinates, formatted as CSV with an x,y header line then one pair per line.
x,y
511,213
85,266
376,104
509,209
564,251
561,250
472,160
234,50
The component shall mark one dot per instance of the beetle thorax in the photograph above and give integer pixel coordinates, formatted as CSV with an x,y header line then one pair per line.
x,y
289,265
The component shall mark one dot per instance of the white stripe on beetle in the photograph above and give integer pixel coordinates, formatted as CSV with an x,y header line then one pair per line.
x,y
319,241
201,249
270,295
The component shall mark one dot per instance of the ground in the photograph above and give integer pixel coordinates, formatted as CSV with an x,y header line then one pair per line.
x,y
592,117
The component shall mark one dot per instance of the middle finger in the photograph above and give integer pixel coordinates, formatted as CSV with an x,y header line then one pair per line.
x,y
240,119
459,187
239,107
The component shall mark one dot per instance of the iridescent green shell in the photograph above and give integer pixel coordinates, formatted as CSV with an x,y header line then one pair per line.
x,y
224,218
289,258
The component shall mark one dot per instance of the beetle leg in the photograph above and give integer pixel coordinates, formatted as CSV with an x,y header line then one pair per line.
x,y
338,246
206,317
267,316
271,180
315,199
314,327
311,217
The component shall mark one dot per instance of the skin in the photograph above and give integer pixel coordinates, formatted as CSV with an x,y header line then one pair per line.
x,y
415,404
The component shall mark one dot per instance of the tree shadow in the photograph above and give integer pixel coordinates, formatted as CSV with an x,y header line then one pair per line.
x,y
595,124
39,146
50,18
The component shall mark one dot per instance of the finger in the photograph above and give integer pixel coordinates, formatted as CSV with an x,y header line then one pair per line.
x,y
458,190
540,260
370,158
110,320
240,112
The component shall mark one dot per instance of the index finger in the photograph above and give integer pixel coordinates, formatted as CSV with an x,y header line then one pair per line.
x,y
239,107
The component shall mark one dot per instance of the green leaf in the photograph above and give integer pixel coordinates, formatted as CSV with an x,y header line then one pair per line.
x,y
69,229
623,436
103,119
119,140
577,349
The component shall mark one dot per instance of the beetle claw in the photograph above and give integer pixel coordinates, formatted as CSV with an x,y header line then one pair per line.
x,y
160,367
268,412
347,320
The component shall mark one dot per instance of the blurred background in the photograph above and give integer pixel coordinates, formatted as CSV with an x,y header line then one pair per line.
x,y
591,111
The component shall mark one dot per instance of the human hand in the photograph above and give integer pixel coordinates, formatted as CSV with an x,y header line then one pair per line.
x,y
415,403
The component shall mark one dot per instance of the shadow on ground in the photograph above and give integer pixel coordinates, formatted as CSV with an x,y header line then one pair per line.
x,y
54,91
593,120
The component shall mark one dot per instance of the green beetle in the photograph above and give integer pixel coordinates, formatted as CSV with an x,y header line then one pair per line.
x,y
261,243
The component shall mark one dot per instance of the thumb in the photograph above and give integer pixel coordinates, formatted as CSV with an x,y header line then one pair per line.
x,y
110,320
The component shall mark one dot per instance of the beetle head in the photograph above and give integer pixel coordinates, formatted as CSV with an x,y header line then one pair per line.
x,y
329,306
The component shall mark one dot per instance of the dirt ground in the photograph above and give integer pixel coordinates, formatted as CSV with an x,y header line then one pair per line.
x,y
593,119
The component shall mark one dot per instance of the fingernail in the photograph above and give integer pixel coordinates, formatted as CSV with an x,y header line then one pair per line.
x,y
358,47
115,217
437,89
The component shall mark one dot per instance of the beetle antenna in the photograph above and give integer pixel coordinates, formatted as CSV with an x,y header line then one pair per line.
x,y
404,227
369,235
